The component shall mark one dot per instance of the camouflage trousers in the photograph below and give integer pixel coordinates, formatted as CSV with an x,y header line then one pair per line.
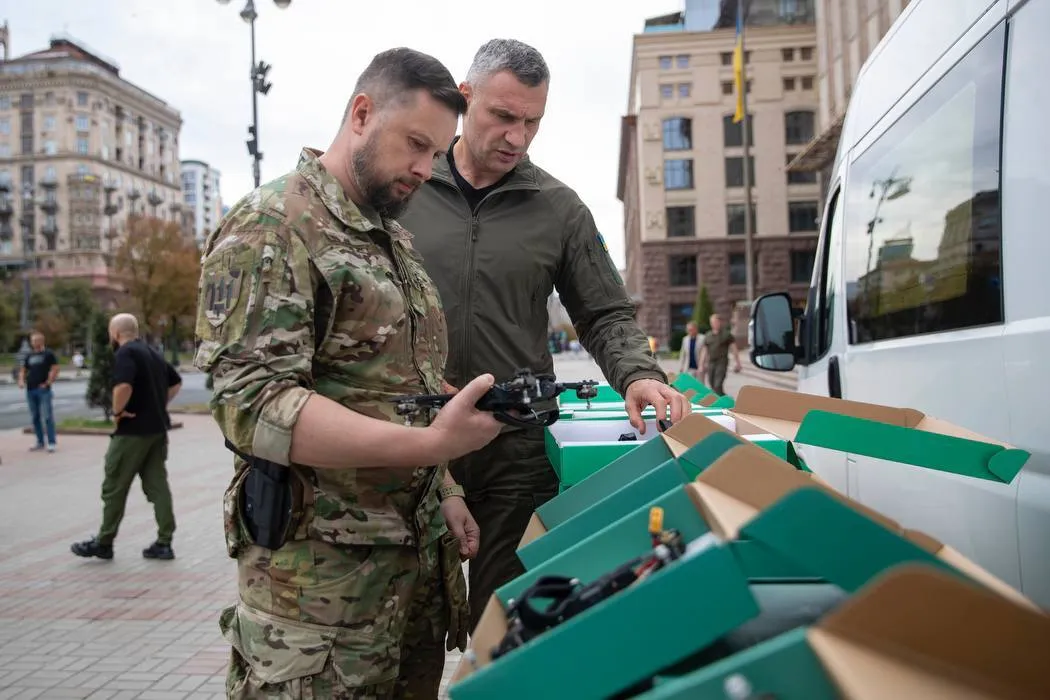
x,y
350,622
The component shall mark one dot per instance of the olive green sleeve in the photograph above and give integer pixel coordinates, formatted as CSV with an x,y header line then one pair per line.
x,y
598,304
256,334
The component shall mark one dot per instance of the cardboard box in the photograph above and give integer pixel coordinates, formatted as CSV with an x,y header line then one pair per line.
x,y
574,413
577,449
540,543
606,394
771,514
913,632
902,435
910,466
678,442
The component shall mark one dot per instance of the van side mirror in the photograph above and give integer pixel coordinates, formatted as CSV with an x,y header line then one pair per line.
x,y
772,331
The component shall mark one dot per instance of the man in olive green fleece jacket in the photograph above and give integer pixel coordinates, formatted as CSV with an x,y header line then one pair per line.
x,y
498,235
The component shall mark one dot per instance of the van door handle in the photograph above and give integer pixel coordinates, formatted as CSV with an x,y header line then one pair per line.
x,y
834,378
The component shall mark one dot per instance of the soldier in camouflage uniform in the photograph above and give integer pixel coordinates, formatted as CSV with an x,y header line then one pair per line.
x,y
314,312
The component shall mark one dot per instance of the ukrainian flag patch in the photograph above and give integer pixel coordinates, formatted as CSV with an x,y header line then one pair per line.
x,y
601,240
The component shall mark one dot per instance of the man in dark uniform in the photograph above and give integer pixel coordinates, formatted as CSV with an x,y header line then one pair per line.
x,y
714,357
498,235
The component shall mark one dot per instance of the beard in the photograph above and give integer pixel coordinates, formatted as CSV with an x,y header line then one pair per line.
x,y
379,192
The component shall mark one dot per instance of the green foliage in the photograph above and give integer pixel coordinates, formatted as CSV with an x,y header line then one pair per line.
x,y
8,319
702,310
75,305
100,384
62,311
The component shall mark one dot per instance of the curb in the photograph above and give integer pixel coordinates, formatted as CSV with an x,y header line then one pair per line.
x,y
772,377
88,431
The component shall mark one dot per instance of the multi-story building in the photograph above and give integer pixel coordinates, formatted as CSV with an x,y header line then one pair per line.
x,y
200,191
80,150
847,32
681,159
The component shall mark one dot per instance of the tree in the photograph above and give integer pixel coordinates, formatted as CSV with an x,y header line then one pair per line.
x,y
702,310
100,384
161,268
75,305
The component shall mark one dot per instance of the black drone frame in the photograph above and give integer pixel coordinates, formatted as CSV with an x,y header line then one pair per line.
x,y
511,402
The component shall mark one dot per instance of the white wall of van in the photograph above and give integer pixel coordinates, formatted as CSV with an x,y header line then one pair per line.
x,y
940,202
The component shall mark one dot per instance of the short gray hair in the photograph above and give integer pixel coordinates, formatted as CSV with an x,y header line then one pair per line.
x,y
522,60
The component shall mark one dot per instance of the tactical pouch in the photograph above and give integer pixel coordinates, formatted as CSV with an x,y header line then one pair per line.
x,y
455,592
237,537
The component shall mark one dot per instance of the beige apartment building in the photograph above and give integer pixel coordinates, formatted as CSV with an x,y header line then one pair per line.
x,y
80,150
847,32
681,160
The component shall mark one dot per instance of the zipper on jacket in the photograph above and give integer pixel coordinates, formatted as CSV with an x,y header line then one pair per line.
x,y
468,295
463,353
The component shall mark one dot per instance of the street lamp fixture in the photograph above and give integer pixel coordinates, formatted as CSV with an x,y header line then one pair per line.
x,y
259,84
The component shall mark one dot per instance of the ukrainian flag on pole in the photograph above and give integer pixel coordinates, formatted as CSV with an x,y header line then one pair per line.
x,y
738,64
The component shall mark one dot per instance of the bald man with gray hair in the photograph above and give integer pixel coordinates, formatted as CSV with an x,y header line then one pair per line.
x,y
144,383
498,235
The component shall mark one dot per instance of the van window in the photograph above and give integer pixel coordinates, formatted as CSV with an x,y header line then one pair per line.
x,y
821,301
923,233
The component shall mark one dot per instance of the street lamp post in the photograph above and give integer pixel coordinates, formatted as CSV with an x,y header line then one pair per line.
x,y
259,85
27,243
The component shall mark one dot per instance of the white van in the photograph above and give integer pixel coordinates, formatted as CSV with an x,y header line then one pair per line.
x,y
931,287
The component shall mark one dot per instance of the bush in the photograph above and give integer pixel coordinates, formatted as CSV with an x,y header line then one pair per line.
x,y
100,385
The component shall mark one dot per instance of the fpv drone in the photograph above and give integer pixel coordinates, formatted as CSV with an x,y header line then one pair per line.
x,y
510,402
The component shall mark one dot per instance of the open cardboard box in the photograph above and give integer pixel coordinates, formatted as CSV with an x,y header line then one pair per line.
x,y
902,435
913,632
620,496
728,496
577,449
604,480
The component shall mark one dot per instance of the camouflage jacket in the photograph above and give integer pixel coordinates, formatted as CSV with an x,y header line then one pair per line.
x,y
301,293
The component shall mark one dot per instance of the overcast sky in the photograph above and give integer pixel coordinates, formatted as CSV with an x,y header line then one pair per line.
x,y
194,54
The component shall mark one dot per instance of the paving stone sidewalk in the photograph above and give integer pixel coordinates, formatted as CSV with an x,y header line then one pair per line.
x,y
127,628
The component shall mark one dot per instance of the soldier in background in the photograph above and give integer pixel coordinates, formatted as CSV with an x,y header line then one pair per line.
x,y
714,355
315,311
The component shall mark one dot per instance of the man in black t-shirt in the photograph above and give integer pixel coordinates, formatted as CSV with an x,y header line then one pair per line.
x,y
143,385
39,371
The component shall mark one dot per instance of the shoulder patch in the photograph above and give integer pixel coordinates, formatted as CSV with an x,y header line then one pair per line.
x,y
222,290
601,241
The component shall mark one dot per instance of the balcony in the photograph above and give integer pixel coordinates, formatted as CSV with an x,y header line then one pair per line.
x,y
49,205
6,232
49,182
154,199
6,207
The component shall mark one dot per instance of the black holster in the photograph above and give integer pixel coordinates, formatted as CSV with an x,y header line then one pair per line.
x,y
266,500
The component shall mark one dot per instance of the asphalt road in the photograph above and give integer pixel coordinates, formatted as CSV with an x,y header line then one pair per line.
x,y
69,400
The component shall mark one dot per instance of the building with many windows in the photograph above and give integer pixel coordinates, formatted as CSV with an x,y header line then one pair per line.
x,y
80,149
847,32
681,175
200,192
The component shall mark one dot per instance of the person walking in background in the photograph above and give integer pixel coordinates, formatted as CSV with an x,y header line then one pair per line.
x,y
39,371
714,357
689,353
144,383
